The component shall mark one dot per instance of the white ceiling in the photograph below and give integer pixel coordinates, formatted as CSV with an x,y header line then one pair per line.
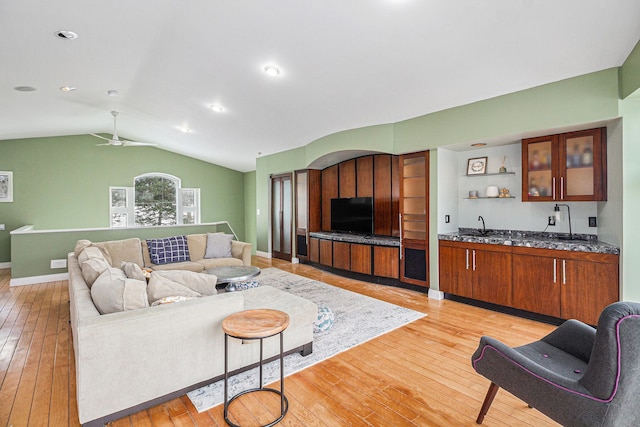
x,y
345,64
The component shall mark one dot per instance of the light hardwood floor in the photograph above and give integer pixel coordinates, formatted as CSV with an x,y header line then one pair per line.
x,y
417,375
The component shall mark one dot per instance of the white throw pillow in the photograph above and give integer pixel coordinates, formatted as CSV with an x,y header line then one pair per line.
x,y
113,292
218,245
133,271
92,269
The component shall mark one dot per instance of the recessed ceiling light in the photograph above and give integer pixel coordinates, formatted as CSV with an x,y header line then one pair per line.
x,y
66,35
478,144
185,129
112,92
68,88
217,108
272,70
24,88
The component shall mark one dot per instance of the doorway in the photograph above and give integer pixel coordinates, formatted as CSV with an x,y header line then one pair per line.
x,y
281,216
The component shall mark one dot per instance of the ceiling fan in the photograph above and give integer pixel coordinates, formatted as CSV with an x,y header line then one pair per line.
x,y
115,141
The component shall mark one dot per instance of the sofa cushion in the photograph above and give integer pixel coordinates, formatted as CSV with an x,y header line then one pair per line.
x,y
80,246
162,287
204,284
170,300
113,292
92,269
197,245
185,265
219,262
128,250
133,271
218,245
91,252
168,250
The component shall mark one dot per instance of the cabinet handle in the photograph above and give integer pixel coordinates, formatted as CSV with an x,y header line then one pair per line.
x,y
467,259
553,187
564,271
400,222
562,188
555,270
474,260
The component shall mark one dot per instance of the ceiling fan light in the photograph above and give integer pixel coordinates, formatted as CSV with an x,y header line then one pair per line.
x,y
68,88
216,108
272,70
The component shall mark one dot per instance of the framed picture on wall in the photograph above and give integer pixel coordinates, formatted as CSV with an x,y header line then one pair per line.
x,y
6,186
477,166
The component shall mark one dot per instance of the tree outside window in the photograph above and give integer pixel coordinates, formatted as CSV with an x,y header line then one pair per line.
x,y
155,198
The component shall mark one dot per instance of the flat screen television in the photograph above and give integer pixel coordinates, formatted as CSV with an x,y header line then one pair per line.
x,y
352,215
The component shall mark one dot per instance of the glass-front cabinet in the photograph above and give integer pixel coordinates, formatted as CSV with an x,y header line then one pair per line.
x,y
565,167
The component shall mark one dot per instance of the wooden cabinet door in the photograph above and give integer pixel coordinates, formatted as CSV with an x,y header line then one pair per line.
x,y
583,165
382,201
342,255
587,288
536,285
364,176
347,178
329,191
386,261
455,270
326,252
492,276
314,249
361,258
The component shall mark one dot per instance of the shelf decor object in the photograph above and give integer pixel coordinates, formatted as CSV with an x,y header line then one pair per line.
x,y
477,166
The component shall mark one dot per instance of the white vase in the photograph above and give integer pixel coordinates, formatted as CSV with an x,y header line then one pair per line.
x,y
493,191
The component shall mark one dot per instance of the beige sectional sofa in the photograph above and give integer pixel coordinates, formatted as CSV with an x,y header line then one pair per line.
x,y
136,358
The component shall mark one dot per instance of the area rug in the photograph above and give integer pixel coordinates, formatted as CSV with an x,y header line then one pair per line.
x,y
358,318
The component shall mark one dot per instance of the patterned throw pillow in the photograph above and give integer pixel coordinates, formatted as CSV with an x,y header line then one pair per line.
x,y
168,250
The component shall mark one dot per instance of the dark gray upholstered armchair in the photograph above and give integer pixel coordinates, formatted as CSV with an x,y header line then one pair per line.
x,y
576,375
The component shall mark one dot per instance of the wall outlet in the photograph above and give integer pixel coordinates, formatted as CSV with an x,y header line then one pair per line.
x,y
58,263
1,226
593,222
552,220
447,219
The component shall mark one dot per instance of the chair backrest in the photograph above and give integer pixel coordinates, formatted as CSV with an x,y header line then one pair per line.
x,y
613,373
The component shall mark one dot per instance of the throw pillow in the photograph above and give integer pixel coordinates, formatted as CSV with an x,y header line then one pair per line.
x,y
92,269
113,292
133,271
168,250
80,246
90,252
162,287
218,245
204,284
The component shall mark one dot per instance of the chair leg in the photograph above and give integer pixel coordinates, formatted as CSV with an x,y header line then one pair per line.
x,y
491,393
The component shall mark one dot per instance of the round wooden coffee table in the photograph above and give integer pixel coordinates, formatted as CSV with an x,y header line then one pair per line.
x,y
255,324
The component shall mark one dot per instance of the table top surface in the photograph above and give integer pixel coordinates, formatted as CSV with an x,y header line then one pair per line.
x,y
234,273
257,323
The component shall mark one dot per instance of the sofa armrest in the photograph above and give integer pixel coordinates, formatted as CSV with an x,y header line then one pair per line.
x,y
241,250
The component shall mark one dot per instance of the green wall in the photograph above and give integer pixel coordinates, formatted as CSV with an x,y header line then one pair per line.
x,y
630,73
63,183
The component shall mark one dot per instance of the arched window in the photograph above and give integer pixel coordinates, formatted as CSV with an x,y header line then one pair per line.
x,y
156,199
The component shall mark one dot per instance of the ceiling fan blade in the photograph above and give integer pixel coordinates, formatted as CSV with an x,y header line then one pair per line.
x,y
101,145
101,137
137,144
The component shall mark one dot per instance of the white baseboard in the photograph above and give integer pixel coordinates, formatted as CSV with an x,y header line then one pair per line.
x,y
437,295
5,265
22,281
263,254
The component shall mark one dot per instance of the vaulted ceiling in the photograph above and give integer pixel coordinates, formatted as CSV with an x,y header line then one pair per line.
x,y
343,65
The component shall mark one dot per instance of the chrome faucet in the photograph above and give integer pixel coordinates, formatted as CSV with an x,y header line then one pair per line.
x,y
484,230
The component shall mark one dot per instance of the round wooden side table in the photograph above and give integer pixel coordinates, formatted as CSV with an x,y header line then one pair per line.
x,y
255,324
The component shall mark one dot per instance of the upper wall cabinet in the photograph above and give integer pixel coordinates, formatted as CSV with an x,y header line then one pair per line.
x,y
568,167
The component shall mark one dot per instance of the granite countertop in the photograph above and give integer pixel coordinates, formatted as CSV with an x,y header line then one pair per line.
x,y
357,238
530,239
